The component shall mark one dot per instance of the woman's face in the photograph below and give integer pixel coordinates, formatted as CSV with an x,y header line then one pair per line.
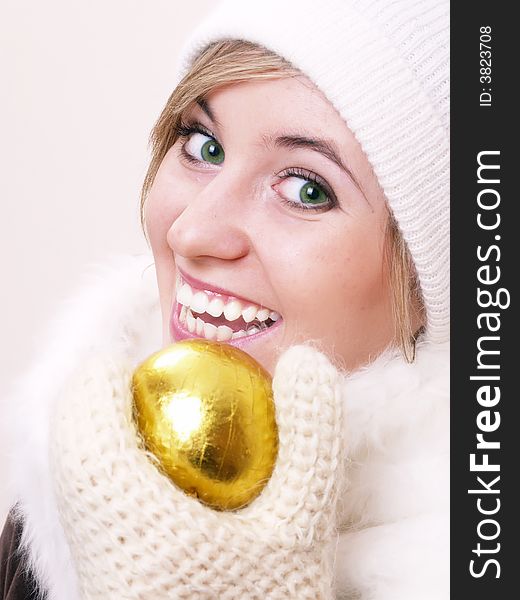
x,y
269,213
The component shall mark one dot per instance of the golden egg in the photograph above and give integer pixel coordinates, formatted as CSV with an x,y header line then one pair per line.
x,y
205,410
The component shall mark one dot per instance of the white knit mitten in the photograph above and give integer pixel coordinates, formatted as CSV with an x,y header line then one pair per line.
x,y
134,535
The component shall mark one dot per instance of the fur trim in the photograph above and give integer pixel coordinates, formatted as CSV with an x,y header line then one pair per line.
x,y
115,303
394,542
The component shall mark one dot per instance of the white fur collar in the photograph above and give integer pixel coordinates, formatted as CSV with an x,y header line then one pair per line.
x,y
395,538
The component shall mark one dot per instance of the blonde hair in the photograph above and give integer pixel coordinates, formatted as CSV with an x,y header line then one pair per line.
x,y
407,304
233,61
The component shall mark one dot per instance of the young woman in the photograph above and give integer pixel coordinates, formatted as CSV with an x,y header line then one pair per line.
x,y
296,205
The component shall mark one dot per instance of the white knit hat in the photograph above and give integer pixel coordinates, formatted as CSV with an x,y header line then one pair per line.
x,y
384,65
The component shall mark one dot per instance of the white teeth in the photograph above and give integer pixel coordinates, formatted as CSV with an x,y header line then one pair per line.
x,y
224,333
215,307
263,314
194,301
182,316
249,313
238,334
233,310
199,326
210,331
199,302
184,295
190,322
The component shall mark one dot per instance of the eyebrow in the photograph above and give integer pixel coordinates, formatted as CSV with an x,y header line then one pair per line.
x,y
203,104
326,148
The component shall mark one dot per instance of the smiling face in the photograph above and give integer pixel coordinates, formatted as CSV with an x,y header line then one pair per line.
x,y
269,211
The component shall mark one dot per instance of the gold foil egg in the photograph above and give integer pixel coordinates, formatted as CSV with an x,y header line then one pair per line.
x,y
205,410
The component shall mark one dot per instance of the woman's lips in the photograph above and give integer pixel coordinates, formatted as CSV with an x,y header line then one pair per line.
x,y
179,331
202,310
210,289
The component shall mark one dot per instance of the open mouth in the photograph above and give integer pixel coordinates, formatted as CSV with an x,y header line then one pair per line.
x,y
214,316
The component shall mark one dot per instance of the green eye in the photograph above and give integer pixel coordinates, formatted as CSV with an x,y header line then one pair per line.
x,y
212,152
310,193
303,193
203,148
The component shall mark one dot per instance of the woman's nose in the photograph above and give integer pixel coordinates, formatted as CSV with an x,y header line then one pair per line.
x,y
212,222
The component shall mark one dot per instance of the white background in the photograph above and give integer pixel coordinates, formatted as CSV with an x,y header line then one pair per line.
x,y
81,86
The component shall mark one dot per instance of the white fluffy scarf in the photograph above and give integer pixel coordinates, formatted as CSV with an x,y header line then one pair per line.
x,y
394,544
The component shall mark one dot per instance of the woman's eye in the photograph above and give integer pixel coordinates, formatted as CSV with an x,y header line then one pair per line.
x,y
204,148
303,192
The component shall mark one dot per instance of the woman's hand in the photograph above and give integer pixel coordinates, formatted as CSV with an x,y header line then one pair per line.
x,y
134,534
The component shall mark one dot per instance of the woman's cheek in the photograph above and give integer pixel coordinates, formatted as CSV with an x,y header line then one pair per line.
x,y
153,216
164,205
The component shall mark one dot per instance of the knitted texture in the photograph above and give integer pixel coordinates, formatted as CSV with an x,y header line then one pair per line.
x,y
384,65
134,535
